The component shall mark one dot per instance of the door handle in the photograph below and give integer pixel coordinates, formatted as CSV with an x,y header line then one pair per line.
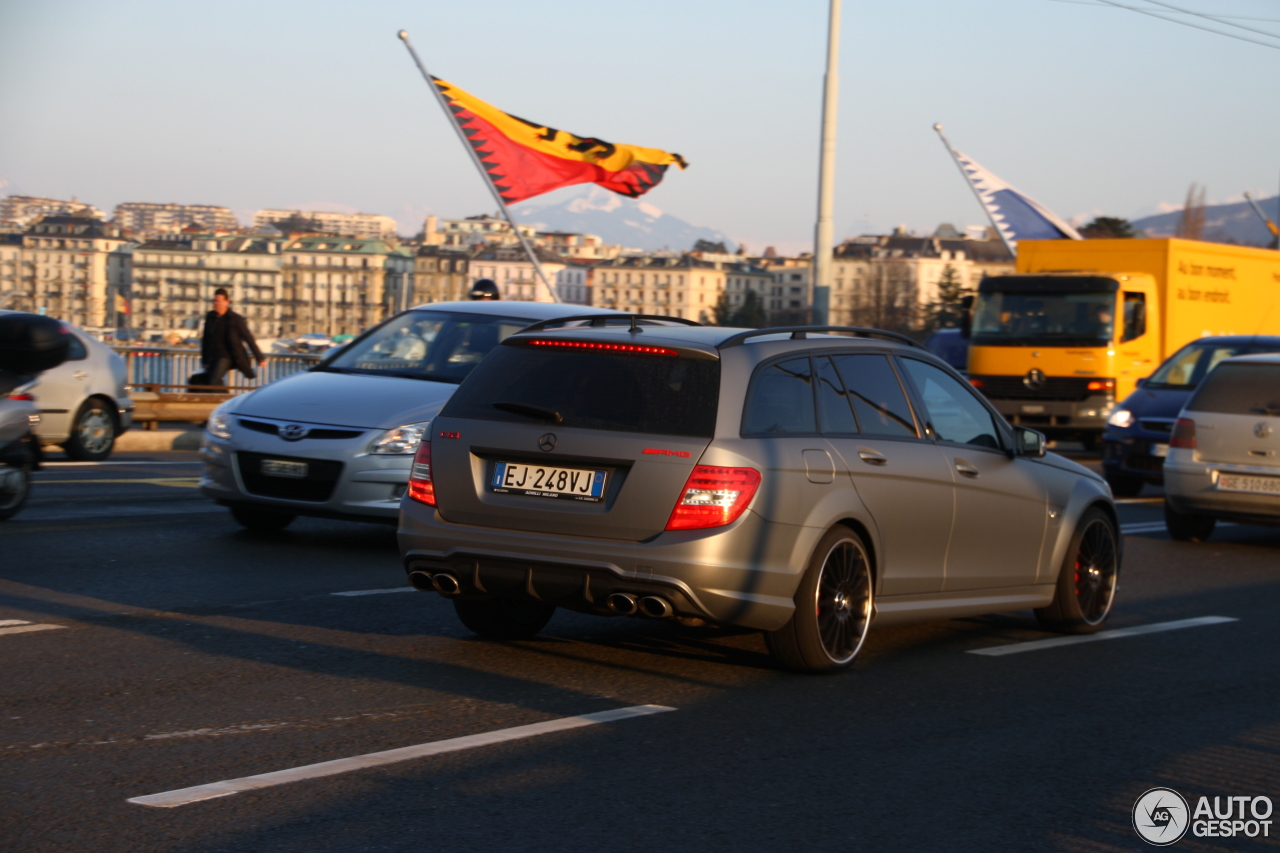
x,y
80,374
871,457
966,469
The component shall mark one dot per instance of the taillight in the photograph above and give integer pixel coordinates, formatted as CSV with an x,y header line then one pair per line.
x,y
421,487
714,497
1102,385
1184,434
26,397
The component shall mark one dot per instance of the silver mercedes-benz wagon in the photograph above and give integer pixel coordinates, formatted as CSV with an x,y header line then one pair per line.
x,y
803,482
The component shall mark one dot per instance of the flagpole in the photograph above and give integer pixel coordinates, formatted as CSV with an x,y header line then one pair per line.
x,y
475,158
995,225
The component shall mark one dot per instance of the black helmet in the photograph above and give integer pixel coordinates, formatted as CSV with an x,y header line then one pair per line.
x,y
485,288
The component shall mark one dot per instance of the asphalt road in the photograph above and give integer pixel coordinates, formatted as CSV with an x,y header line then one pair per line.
x,y
183,651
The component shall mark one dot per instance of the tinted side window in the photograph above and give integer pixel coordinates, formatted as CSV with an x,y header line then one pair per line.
x,y
781,400
77,350
835,412
953,410
1240,389
877,397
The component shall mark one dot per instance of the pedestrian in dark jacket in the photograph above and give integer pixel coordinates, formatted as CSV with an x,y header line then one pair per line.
x,y
227,342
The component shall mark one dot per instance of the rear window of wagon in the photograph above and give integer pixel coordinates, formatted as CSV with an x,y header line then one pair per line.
x,y
663,395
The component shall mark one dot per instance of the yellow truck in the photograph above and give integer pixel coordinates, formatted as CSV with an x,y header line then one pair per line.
x,y
1056,344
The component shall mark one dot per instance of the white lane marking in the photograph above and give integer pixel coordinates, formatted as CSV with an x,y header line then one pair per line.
x,y
1114,634
24,629
4,622
1154,500
183,796
94,464
225,730
1158,526
375,591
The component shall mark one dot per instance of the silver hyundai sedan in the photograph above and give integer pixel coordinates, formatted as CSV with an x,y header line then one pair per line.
x,y
337,441
798,483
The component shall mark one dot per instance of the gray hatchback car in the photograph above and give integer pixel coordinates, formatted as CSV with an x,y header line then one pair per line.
x,y
799,481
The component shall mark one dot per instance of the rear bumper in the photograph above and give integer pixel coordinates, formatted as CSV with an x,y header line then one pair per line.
x,y
744,574
1193,488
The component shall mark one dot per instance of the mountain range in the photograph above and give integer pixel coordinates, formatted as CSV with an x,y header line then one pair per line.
x,y
1223,223
618,220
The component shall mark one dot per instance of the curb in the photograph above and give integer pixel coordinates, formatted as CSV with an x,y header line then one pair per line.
x,y
160,439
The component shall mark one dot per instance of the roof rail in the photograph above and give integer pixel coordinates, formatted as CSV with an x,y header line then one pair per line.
x,y
601,320
802,332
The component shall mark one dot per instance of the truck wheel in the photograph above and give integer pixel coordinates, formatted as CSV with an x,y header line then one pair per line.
x,y
93,433
15,485
833,607
1125,485
1086,586
503,618
1186,526
261,520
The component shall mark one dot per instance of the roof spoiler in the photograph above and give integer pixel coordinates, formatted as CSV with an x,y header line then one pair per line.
x,y
802,332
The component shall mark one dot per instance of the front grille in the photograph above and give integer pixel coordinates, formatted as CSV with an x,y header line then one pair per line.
x,y
1055,388
1162,425
318,485
314,432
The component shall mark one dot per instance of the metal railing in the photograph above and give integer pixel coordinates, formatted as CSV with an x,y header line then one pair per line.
x,y
173,366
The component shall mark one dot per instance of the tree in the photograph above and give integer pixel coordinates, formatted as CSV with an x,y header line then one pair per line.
x,y
1108,228
946,312
1191,225
752,314
708,246
722,312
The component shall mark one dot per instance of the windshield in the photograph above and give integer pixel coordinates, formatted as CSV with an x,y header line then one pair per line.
x,y
438,345
1186,367
1052,319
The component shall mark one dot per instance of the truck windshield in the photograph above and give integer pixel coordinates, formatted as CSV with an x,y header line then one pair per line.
x,y
1044,319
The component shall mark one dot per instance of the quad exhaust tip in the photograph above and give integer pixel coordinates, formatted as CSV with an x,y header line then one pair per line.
x,y
446,584
656,607
421,581
622,603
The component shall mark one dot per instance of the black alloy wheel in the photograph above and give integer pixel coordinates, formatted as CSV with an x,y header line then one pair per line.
x,y
15,485
833,608
1087,581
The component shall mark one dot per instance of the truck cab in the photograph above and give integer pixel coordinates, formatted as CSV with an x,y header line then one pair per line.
x,y
1055,350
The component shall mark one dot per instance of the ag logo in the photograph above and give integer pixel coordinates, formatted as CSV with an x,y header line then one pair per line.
x,y
1034,379
293,432
1161,816
547,442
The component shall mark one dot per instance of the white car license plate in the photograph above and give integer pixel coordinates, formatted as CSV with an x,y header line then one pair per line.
x,y
1159,450
546,481
284,468
1243,483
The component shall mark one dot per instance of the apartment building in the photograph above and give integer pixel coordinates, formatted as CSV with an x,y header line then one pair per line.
x,y
513,272
574,282
570,244
474,232
368,226
147,219
440,275
18,212
685,286
341,285
58,266
172,283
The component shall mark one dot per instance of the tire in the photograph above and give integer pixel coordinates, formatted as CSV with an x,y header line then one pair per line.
x,y
93,433
833,611
1187,526
1125,485
15,485
503,618
261,520
1086,588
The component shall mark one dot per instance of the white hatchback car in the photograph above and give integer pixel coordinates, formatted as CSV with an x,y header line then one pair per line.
x,y
84,402
1224,453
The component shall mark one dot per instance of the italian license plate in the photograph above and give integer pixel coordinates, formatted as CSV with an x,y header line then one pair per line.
x,y
1159,450
545,481
1245,483
284,468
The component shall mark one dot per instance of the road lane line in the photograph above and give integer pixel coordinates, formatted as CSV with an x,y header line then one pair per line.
x,y
1145,527
95,464
5,622
1140,500
1114,634
184,482
183,796
25,629
375,591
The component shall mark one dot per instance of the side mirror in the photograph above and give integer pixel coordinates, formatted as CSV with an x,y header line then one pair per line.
x,y
966,319
1030,442
1141,382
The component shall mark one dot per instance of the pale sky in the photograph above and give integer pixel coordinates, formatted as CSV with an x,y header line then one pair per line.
x,y
1088,108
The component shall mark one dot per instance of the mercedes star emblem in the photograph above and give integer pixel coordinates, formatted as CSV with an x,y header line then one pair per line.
x,y
1262,429
548,442
1034,379
293,432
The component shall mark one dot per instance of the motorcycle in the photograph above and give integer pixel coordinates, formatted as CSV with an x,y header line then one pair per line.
x,y
29,344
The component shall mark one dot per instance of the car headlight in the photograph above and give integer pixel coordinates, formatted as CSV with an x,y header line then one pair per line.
x,y
400,441
219,426
1122,418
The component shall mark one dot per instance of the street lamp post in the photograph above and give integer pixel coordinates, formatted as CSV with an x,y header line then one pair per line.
x,y
824,233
